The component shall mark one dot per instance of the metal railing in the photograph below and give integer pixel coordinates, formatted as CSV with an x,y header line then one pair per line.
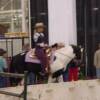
x,y
24,92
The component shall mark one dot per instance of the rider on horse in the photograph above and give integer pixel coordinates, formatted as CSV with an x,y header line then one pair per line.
x,y
40,45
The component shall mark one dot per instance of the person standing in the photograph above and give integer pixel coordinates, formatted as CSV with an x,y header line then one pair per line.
x,y
40,44
97,61
73,70
3,67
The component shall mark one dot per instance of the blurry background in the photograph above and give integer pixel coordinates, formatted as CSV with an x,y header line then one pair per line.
x,y
68,21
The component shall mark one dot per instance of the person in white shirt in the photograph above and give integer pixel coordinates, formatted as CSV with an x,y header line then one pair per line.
x,y
39,36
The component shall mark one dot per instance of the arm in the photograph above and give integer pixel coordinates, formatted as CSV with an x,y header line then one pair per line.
x,y
35,37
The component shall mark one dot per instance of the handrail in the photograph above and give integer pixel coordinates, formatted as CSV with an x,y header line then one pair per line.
x,y
11,75
24,93
10,94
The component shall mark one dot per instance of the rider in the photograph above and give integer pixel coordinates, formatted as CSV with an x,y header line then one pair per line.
x,y
40,45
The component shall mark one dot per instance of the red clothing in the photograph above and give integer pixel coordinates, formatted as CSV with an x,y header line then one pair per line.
x,y
73,74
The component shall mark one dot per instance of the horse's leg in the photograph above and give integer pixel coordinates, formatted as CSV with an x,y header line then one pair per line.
x,y
51,79
60,78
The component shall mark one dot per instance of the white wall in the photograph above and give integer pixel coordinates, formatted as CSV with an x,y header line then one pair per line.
x,y
62,21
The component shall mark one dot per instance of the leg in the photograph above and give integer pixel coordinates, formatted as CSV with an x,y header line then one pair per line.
x,y
34,68
57,76
75,74
60,78
65,76
51,79
31,78
70,74
2,82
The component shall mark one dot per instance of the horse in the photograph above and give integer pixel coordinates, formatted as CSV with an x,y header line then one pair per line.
x,y
26,61
63,56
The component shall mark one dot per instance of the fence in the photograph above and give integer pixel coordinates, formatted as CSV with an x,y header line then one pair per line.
x,y
24,92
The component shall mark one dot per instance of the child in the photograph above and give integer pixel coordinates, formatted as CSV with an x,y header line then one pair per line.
x,y
40,44
3,67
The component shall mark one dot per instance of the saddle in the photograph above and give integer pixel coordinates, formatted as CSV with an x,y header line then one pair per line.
x,y
32,54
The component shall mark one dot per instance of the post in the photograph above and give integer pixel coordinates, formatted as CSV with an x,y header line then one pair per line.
x,y
30,32
85,28
25,85
23,5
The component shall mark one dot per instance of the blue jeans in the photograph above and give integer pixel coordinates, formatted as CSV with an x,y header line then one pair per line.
x,y
3,82
65,76
98,72
31,79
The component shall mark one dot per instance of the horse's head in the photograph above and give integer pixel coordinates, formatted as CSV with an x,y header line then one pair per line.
x,y
77,50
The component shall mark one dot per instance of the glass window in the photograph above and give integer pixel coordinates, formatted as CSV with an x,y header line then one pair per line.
x,y
11,15
10,4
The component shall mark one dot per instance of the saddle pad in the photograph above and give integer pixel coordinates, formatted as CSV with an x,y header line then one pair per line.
x,y
30,57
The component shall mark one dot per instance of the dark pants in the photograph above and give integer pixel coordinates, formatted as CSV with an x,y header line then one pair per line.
x,y
31,78
34,70
33,67
41,55
65,76
3,82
